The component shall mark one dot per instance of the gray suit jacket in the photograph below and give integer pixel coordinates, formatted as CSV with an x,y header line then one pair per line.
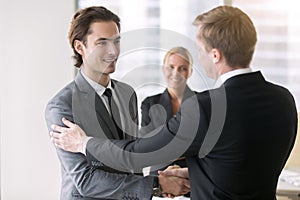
x,y
82,179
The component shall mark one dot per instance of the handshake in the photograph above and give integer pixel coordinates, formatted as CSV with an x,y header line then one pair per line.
x,y
174,181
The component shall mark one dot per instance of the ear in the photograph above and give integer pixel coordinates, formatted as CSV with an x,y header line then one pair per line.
x,y
190,72
216,55
78,46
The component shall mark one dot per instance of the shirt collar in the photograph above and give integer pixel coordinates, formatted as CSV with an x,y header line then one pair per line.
x,y
224,77
99,89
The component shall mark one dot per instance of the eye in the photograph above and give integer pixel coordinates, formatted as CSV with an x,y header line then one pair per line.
x,y
102,43
117,41
170,67
182,68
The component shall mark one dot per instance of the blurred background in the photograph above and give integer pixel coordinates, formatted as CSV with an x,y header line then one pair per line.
x,y
36,62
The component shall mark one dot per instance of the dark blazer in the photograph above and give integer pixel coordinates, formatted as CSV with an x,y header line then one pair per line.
x,y
236,146
81,179
159,114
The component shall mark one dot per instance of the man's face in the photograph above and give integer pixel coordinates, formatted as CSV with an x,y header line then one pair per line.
x,y
176,70
102,48
206,61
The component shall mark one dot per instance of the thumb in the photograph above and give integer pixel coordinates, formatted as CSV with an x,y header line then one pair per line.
x,y
68,123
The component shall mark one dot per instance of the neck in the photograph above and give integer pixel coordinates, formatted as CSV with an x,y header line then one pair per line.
x,y
101,78
176,98
176,94
224,69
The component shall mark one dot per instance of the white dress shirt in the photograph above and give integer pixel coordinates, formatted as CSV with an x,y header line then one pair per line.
x,y
224,77
99,89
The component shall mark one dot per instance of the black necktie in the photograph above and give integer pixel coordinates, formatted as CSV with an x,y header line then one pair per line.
x,y
114,111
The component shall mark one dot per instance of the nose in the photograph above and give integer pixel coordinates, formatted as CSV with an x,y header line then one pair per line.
x,y
175,72
112,49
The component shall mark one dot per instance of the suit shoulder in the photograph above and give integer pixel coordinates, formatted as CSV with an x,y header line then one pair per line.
x,y
123,87
279,88
204,95
121,84
62,98
152,99
282,92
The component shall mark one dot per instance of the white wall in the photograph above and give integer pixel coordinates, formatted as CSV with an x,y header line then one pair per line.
x,y
35,61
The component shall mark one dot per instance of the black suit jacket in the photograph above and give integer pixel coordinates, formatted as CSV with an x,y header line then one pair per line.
x,y
236,147
156,111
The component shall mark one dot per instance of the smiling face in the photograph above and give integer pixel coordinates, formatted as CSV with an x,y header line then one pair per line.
x,y
101,51
176,70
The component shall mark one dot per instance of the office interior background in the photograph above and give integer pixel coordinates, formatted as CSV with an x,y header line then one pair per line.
x,y
36,62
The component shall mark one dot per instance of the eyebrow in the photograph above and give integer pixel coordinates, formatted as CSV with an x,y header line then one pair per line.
x,y
103,39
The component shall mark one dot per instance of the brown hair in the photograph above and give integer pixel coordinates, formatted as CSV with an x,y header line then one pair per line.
x,y
229,30
181,51
81,22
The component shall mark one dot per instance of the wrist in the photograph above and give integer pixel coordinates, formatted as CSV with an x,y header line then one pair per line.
x,y
84,144
156,191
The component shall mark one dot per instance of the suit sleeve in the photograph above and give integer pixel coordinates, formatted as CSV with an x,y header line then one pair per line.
x,y
146,126
178,137
134,112
145,113
91,182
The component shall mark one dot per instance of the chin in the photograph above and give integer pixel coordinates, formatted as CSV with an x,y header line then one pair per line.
x,y
173,86
110,69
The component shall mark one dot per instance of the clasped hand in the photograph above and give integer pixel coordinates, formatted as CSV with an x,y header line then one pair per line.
x,y
174,181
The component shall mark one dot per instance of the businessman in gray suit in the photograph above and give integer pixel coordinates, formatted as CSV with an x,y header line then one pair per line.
x,y
97,102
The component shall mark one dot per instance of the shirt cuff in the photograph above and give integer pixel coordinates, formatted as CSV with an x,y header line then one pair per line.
x,y
84,145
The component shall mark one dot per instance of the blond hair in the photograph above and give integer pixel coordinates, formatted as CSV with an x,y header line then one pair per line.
x,y
182,52
229,30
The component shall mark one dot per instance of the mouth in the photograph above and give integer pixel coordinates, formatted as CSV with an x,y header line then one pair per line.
x,y
109,60
175,79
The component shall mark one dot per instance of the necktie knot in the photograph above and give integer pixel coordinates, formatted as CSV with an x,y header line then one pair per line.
x,y
108,93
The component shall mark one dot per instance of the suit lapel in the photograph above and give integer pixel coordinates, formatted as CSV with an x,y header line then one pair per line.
x,y
89,111
165,101
125,105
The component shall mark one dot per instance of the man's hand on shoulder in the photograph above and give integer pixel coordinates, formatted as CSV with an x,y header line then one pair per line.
x,y
70,138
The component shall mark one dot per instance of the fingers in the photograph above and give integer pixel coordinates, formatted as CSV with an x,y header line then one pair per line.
x,y
56,139
179,172
70,138
58,128
68,123
173,167
186,184
167,172
55,135
174,186
168,195
61,129
59,140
